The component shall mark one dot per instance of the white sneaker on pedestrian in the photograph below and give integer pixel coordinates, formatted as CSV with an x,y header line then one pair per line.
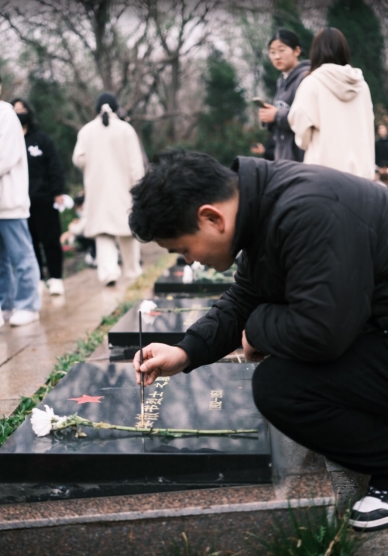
x,y
6,314
23,317
134,276
56,287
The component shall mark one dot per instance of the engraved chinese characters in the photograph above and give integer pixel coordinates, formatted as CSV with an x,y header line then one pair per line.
x,y
152,403
215,400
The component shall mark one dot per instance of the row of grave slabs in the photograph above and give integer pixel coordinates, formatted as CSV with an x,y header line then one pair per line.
x,y
108,462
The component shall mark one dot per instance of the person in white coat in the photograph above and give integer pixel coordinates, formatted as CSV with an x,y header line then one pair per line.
x,y
19,271
109,154
332,114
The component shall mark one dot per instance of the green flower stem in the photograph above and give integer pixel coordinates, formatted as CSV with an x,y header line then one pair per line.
x,y
77,421
180,310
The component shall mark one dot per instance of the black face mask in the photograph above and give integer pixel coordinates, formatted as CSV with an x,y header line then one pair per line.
x,y
24,118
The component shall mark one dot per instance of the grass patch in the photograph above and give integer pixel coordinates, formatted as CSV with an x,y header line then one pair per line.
x,y
85,347
311,531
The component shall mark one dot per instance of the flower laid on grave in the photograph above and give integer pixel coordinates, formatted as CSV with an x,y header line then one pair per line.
x,y
149,308
187,277
45,421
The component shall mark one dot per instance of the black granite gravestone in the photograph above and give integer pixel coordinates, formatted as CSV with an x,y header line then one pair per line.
x,y
166,323
213,397
208,282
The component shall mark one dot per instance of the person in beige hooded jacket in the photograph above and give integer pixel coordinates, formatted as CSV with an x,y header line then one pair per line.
x,y
109,154
332,114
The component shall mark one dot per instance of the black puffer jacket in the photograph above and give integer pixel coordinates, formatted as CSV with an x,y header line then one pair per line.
x,y
285,146
46,176
313,274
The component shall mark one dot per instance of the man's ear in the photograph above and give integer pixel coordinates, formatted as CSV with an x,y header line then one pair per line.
x,y
209,214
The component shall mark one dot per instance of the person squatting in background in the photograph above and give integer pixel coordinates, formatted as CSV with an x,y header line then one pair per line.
x,y
109,154
284,51
74,235
332,114
46,187
19,271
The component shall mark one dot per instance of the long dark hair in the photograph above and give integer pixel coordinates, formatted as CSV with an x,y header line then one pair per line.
x,y
106,98
329,47
33,123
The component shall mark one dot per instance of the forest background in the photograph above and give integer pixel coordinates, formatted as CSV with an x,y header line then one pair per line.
x,y
184,71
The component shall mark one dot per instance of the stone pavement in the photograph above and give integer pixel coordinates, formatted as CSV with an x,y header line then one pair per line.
x,y
28,354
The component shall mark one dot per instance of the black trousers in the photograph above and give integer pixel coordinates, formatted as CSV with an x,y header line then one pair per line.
x,y
338,409
45,228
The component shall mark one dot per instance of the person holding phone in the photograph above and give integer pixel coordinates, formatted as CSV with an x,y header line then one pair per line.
x,y
284,51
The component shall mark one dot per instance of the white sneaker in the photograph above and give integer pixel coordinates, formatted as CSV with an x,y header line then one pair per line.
x,y
6,314
371,512
56,287
23,317
134,276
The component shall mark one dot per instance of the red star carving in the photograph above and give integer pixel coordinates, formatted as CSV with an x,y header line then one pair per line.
x,y
86,398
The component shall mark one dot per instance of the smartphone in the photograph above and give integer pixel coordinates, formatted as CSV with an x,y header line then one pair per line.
x,y
259,102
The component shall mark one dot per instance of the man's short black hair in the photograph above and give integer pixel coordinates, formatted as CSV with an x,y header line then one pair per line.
x,y
167,199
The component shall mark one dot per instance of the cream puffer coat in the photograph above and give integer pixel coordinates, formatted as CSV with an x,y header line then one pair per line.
x,y
332,117
111,160
14,199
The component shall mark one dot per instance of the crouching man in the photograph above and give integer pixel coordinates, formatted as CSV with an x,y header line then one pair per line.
x,y
311,291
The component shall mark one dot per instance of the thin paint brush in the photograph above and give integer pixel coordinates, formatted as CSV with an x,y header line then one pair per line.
x,y
141,373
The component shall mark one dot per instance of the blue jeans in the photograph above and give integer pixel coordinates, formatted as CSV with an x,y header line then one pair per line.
x,y
19,270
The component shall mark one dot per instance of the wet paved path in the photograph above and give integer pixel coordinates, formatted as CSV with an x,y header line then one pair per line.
x,y
28,354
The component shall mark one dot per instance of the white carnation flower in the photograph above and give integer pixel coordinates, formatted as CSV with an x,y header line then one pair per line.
x,y
147,306
187,274
197,269
44,421
197,266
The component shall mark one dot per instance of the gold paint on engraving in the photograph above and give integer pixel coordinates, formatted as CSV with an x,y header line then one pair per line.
x,y
215,400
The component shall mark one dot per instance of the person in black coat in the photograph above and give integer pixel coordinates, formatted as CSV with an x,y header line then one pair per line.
x,y
46,187
310,298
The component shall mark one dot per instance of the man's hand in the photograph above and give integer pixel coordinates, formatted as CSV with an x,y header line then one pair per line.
x,y
268,114
251,354
160,360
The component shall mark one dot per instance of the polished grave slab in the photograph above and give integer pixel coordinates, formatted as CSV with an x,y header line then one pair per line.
x,y
213,397
176,280
167,322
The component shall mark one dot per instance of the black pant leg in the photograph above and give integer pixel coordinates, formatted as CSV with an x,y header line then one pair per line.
x,y
48,227
34,231
338,408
